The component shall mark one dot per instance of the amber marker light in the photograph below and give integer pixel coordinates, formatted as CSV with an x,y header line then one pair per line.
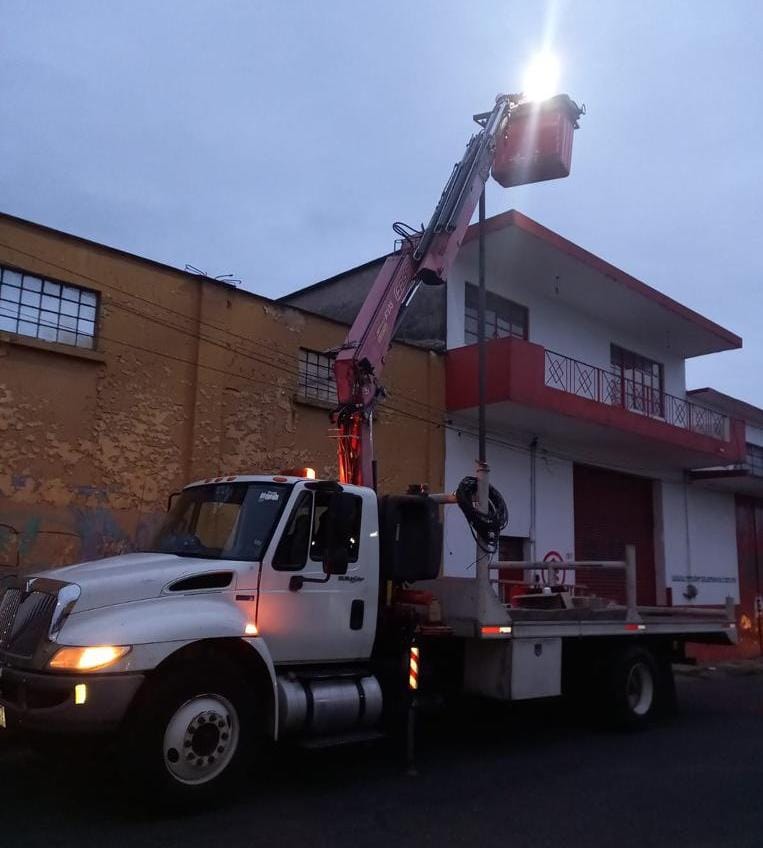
x,y
495,630
307,473
251,629
87,658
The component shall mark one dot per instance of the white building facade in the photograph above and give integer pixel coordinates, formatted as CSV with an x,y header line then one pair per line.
x,y
592,437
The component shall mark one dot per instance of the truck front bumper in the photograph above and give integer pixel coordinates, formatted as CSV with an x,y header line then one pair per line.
x,y
47,702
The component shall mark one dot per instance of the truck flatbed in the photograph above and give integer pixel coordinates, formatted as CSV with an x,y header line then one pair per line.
x,y
472,608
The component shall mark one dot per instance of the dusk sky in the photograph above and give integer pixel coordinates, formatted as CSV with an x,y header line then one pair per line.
x,y
278,141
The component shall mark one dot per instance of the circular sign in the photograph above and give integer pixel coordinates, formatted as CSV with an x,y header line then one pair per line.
x,y
553,576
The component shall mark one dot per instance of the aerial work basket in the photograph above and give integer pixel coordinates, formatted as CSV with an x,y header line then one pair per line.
x,y
536,143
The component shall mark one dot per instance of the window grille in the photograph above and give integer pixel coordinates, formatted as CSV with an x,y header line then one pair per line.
x,y
316,376
43,309
641,381
503,317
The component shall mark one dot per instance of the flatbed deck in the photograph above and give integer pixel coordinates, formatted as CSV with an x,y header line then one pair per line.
x,y
472,608
705,624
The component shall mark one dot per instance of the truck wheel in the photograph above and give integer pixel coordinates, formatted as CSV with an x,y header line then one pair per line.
x,y
633,689
190,734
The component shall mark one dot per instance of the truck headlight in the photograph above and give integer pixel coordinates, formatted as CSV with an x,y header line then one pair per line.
x,y
87,659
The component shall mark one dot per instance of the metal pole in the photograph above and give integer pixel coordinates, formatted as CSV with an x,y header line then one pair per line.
x,y
410,739
484,589
631,603
481,304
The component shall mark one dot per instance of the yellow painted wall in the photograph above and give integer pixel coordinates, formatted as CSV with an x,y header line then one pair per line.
x,y
190,378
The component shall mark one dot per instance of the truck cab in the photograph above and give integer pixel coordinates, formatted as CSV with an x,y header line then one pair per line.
x,y
267,584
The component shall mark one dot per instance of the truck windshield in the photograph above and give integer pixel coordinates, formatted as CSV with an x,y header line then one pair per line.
x,y
222,521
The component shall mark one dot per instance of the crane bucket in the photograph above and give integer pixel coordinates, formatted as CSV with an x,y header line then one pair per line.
x,y
536,143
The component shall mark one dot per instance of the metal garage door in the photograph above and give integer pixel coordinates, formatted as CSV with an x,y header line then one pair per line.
x,y
613,510
749,513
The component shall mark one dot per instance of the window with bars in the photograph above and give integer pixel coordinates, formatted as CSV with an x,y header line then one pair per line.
x,y
46,310
755,459
316,376
503,317
641,381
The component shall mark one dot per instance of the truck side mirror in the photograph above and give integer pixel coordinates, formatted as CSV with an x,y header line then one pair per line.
x,y
340,517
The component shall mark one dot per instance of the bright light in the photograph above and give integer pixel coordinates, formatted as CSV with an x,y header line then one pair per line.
x,y
88,659
251,629
299,472
80,694
541,79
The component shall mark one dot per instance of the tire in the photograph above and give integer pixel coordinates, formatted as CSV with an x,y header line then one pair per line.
x,y
190,734
633,689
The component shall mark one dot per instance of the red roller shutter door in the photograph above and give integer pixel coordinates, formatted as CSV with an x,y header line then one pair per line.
x,y
749,514
613,510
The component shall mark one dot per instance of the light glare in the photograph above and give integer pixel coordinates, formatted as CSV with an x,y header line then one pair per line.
x,y
541,79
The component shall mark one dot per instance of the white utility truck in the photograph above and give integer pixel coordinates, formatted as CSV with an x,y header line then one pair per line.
x,y
276,607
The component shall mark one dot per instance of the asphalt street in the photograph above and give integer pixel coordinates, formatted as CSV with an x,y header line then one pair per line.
x,y
503,777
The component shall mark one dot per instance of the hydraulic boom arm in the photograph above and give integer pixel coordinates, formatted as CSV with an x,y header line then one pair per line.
x,y
423,257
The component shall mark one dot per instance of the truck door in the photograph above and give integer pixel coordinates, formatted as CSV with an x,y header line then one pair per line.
x,y
315,618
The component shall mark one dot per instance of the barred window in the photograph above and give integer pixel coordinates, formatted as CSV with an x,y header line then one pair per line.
x,y
316,376
503,317
755,459
40,308
641,379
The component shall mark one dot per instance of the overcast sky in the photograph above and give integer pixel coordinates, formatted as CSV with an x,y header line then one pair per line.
x,y
278,141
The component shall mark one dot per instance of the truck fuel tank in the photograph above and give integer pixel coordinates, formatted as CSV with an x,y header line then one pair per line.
x,y
325,706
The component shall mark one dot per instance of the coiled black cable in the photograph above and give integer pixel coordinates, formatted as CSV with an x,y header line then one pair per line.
x,y
486,528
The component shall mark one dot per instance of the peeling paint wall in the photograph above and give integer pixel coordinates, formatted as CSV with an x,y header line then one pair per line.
x,y
190,378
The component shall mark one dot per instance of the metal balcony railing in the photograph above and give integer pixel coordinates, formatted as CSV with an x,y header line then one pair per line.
x,y
610,388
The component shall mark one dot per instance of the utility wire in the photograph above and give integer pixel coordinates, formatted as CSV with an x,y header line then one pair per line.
x,y
386,408
263,359
271,348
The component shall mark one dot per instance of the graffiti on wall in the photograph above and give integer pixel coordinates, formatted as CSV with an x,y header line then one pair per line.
x,y
94,533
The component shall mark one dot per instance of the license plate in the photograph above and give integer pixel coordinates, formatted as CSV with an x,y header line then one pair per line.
x,y
2,716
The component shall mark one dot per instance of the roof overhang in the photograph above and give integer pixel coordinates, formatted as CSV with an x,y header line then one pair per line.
x,y
728,404
521,246
735,479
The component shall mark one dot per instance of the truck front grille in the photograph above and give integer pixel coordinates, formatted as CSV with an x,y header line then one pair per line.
x,y
9,606
24,620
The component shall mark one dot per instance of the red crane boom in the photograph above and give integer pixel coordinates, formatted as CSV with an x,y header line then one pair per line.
x,y
423,257
426,257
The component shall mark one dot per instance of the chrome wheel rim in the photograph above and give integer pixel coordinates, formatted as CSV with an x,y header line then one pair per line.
x,y
639,689
201,739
